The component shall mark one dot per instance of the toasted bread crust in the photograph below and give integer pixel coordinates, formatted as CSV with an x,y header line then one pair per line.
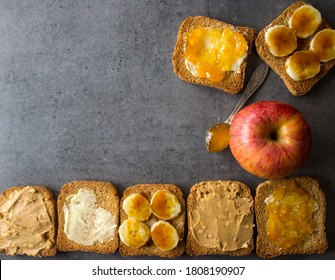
x,y
233,82
51,208
150,249
316,243
193,248
107,198
277,64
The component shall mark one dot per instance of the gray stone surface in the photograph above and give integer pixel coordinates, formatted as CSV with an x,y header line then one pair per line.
x,y
88,93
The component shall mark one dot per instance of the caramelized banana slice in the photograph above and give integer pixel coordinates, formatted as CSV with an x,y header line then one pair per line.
x,y
137,206
280,40
323,44
302,65
165,205
305,21
164,235
134,233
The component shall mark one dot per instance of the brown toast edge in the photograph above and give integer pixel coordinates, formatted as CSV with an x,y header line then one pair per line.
x,y
233,83
316,243
108,200
193,248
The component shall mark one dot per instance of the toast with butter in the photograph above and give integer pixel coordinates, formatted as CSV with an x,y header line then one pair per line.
x,y
290,217
152,221
228,74
220,219
88,217
28,221
311,69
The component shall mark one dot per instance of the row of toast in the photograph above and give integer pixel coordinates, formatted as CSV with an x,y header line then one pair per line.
x,y
150,219
299,45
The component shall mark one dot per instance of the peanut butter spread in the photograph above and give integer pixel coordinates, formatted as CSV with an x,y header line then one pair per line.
x,y
25,223
85,222
223,218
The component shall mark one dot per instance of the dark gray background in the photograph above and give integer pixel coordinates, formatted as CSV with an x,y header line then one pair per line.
x,y
88,93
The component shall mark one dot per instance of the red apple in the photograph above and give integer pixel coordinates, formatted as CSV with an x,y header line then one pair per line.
x,y
270,139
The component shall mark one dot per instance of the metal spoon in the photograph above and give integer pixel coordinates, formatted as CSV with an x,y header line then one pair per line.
x,y
217,137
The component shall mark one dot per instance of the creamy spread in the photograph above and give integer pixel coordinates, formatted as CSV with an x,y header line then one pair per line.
x,y
25,223
223,218
85,222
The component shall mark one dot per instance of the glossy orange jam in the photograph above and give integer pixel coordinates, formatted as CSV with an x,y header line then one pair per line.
x,y
140,208
210,53
217,138
163,204
290,216
164,236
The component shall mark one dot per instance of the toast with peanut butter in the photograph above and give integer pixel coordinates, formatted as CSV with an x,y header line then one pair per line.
x,y
28,221
290,217
88,217
279,63
152,221
223,77
220,219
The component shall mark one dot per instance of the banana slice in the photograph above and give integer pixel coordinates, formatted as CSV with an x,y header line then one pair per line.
x,y
164,235
134,233
302,65
280,40
305,21
137,206
323,44
165,205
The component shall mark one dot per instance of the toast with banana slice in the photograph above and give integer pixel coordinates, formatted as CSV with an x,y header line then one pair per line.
x,y
152,220
294,48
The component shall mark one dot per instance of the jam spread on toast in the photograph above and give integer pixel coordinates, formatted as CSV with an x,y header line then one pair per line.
x,y
289,215
210,53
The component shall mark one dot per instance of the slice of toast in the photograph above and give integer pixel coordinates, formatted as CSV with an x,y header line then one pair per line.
x,y
206,189
150,249
233,82
316,243
38,227
107,198
277,64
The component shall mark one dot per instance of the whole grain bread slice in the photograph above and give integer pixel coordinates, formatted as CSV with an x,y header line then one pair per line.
x,y
277,64
50,204
193,248
106,198
233,82
314,244
150,249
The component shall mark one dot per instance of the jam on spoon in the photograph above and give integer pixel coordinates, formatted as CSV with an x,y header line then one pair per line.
x,y
217,137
